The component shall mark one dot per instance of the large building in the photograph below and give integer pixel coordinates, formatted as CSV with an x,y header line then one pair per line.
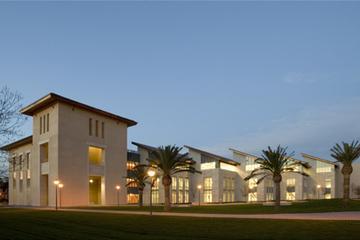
x,y
85,149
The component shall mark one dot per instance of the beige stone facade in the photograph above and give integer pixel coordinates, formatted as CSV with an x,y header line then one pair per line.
x,y
82,147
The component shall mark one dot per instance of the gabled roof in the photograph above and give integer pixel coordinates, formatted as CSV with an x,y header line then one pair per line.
x,y
218,157
53,97
318,159
18,143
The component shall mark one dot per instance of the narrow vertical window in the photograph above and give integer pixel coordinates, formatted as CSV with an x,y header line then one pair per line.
x,y
44,122
96,128
90,126
47,122
41,125
102,129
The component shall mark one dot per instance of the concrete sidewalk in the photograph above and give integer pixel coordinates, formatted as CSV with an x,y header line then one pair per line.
x,y
338,216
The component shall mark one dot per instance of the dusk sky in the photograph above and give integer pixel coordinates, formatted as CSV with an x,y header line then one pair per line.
x,y
210,75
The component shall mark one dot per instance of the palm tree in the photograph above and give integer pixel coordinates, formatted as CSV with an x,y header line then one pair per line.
x,y
273,163
169,161
139,179
346,154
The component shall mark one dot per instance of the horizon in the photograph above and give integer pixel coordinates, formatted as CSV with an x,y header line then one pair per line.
x,y
210,75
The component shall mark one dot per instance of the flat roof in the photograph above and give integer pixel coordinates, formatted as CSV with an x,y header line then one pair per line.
x,y
18,143
318,159
218,157
53,97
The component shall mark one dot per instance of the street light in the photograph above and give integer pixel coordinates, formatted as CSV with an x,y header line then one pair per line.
x,y
56,182
318,190
60,187
151,173
118,194
199,189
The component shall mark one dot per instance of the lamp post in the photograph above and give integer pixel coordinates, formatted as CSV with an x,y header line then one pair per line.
x,y
60,187
318,190
56,182
118,194
151,173
199,189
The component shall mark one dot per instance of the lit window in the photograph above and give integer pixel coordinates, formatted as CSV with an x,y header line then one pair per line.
x,y
132,198
252,196
322,167
250,164
327,189
130,165
95,155
155,192
228,167
228,190
290,189
208,189
208,165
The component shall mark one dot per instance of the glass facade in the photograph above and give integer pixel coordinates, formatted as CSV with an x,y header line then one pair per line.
x,y
228,190
208,189
290,189
155,192
252,195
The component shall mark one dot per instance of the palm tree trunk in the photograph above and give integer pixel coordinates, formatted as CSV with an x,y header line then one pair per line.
x,y
140,198
277,194
167,198
346,185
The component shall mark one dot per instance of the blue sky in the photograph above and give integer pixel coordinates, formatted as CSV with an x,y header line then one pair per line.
x,y
208,74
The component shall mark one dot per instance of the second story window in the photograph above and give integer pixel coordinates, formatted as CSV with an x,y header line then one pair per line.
x,y
96,128
90,127
44,123
95,155
102,129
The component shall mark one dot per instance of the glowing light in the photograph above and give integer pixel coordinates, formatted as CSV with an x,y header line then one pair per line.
x,y
117,187
151,173
56,182
91,181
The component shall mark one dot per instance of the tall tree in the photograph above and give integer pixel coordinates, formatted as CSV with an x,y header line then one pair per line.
x,y
139,178
10,122
169,161
346,154
274,163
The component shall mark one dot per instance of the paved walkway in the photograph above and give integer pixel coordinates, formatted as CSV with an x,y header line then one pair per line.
x,y
354,216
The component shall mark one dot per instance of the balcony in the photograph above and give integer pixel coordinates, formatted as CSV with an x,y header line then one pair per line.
x,y
96,170
44,168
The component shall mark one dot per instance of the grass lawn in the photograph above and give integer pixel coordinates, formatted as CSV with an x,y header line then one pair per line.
x,y
333,205
31,224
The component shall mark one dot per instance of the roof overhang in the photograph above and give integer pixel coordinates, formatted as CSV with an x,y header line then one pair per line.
x,y
304,155
52,98
16,144
217,157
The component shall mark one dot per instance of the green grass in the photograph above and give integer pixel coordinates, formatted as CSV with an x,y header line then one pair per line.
x,y
333,205
32,224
